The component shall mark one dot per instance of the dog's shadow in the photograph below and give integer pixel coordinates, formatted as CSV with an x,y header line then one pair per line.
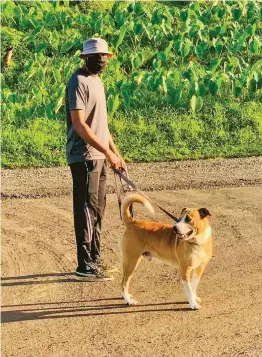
x,y
83,309
90,308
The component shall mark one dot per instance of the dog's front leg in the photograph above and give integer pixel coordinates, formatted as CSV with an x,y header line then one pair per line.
x,y
185,275
197,273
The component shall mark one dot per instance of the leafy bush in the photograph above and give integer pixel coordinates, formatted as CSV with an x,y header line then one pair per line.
x,y
175,61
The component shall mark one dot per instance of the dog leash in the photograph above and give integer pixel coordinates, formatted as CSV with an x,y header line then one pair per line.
x,y
124,190
131,184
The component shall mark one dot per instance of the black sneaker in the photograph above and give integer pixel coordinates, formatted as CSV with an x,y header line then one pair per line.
x,y
92,273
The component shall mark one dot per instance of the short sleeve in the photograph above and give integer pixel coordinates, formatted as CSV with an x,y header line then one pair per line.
x,y
77,96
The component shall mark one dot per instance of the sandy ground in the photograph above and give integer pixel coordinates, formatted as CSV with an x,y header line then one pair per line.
x,y
47,313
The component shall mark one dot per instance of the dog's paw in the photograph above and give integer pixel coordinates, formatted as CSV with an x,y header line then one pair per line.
x,y
132,302
195,306
198,299
129,299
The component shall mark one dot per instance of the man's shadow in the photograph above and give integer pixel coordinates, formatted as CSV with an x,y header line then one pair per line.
x,y
37,279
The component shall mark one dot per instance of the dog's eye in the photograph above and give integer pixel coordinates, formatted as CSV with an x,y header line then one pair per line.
x,y
187,219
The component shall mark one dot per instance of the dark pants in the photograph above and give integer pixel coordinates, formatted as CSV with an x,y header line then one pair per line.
x,y
89,201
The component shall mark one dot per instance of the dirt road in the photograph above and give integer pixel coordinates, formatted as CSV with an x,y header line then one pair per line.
x,y
47,313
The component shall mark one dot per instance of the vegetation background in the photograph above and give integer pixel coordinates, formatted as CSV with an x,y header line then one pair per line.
x,y
185,81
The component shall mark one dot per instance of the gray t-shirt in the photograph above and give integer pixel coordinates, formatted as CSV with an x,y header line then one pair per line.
x,y
86,92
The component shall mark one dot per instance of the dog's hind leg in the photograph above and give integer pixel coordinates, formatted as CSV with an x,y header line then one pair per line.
x,y
197,273
129,265
185,275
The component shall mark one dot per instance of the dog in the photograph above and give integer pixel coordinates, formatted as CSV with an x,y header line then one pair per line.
x,y
186,245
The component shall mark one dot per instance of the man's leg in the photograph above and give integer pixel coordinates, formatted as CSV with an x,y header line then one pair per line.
x,y
100,208
82,219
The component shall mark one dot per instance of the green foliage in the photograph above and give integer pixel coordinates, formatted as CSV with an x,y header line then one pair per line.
x,y
185,56
223,130
34,143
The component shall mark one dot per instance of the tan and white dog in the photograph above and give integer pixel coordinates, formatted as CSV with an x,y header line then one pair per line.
x,y
187,245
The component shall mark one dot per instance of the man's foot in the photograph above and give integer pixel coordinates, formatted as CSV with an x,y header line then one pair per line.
x,y
106,268
92,273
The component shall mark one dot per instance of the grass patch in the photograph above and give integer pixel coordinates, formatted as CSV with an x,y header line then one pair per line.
x,y
145,135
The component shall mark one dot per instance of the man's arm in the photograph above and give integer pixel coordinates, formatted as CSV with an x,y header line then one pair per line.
x,y
112,146
116,152
86,133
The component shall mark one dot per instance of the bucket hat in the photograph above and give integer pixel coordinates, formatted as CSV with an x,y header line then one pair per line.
x,y
95,45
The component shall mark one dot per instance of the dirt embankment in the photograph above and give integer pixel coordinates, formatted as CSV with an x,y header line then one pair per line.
x,y
45,182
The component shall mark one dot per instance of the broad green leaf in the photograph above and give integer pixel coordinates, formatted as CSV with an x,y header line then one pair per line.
x,y
201,49
164,84
256,65
58,104
49,17
177,45
196,103
57,75
254,45
176,77
120,18
41,47
233,61
193,103
126,96
138,28
137,61
213,86
251,29
138,8
185,48
214,64
176,94
40,58
121,36
219,46
201,89
41,74
67,69
37,94
34,22
157,63
48,112
237,88
113,103
184,15
187,74
168,49
252,85
237,14
28,65
66,47
8,9
162,56
56,4
44,92
146,29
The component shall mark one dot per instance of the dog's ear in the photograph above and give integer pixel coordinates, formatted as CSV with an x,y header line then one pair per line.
x,y
184,210
204,212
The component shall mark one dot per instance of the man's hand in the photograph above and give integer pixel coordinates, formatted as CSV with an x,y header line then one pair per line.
x,y
114,161
123,164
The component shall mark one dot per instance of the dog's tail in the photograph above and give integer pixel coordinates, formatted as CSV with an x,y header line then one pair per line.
x,y
128,201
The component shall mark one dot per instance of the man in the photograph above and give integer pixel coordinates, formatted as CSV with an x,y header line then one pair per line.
x,y
89,146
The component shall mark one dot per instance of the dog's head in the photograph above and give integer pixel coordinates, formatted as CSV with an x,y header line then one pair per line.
x,y
192,222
